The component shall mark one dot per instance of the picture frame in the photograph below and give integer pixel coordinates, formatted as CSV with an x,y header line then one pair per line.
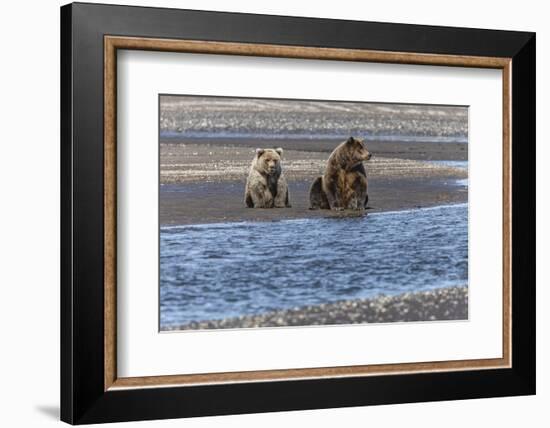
x,y
91,391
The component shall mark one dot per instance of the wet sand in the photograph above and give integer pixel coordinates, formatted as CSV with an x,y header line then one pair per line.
x,y
443,304
416,150
202,181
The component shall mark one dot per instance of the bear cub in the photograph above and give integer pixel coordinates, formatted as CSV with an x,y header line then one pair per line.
x,y
266,186
344,183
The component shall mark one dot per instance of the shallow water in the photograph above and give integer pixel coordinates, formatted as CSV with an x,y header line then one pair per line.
x,y
306,134
215,271
464,182
461,164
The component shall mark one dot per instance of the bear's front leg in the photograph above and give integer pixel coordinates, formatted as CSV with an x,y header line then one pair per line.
x,y
334,199
335,188
334,203
261,197
353,200
282,199
353,203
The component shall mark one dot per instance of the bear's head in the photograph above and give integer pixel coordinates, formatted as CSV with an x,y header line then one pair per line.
x,y
268,161
356,151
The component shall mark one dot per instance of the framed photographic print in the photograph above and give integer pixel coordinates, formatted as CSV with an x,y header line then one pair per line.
x,y
265,213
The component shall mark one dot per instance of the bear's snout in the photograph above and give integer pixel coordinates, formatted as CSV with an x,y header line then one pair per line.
x,y
271,167
369,155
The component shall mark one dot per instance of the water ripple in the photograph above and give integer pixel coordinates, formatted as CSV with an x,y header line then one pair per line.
x,y
222,270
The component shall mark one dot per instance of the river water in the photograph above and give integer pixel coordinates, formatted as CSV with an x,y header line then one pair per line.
x,y
215,271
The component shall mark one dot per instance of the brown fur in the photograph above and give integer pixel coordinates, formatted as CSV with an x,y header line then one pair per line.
x,y
344,183
266,186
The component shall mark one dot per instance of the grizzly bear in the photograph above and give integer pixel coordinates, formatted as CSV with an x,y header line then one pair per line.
x,y
266,185
344,183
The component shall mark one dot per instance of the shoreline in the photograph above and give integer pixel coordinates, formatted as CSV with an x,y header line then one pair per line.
x,y
329,214
440,304
204,183
183,204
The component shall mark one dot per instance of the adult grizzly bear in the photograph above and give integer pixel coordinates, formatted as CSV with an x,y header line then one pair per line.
x,y
266,185
344,183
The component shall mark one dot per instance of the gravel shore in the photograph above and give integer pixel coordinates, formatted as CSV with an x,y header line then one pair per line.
x,y
450,303
187,115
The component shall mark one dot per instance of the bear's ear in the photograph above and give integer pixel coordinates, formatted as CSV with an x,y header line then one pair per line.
x,y
279,150
260,152
350,140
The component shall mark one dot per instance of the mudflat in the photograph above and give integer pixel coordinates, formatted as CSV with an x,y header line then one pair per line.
x,y
202,180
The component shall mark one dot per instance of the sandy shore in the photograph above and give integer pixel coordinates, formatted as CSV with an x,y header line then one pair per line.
x,y
389,149
203,182
440,304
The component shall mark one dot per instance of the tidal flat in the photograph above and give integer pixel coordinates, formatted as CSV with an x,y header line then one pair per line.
x,y
203,182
